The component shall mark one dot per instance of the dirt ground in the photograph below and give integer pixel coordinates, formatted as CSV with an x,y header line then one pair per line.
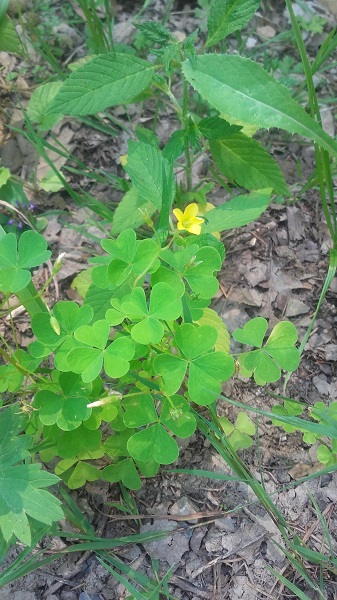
x,y
274,268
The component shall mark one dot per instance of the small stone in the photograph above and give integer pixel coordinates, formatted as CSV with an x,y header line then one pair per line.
x,y
184,507
266,32
330,352
296,307
251,42
225,524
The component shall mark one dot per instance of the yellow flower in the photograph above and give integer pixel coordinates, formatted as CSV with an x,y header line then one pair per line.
x,y
123,159
188,219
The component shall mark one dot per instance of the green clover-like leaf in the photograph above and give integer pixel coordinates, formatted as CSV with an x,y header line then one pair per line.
x,y
124,471
127,258
176,416
252,333
16,258
278,352
197,266
88,361
78,476
207,369
153,443
139,410
69,317
164,305
73,443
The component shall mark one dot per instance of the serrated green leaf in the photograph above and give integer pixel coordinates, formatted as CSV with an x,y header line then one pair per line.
x,y
131,211
9,39
227,16
21,495
244,160
237,86
153,443
107,80
156,32
39,104
237,212
215,128
146,167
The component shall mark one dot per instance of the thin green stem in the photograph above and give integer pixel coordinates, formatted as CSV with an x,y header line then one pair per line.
x,y
188,158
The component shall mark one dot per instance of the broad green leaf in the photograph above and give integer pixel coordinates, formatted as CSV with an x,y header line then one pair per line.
x,y
51,181
95,335
146,167
153,443
211,318
237,212
244,160
226,16
215,128
325,455
9,39
124,471
107,80
131,211
252,333
39,104
237,86
21,495
17,258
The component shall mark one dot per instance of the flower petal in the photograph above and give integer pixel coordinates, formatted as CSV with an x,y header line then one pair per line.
x,y
178,214
194,228
191,211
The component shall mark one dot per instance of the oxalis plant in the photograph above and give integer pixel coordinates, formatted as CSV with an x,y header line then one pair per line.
x,y
107,386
